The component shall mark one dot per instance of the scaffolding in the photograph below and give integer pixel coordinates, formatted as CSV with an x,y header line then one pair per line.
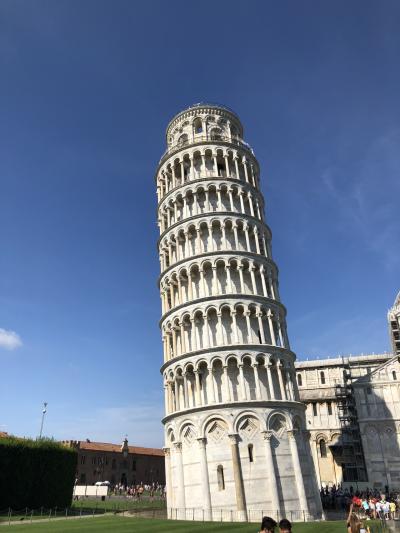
x,y
394,326
353,463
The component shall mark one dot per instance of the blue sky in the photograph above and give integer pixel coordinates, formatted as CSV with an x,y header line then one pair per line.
x,y
86,91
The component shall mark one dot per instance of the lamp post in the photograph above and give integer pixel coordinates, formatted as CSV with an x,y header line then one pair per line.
x,y
44,411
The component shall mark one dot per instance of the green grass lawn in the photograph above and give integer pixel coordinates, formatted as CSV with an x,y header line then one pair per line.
x,y
119,524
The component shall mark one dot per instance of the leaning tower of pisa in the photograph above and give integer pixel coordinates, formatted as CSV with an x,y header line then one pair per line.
x,y
235,438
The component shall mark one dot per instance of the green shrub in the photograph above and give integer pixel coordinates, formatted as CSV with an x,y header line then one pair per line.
x,y
36,473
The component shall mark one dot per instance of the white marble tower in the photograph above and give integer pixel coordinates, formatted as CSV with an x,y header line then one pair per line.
x,y
235,434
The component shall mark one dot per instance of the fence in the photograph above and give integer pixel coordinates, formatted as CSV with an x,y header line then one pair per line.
x,y
31,515
230,515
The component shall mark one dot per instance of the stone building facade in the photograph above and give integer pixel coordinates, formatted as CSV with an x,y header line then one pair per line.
x,y
235,432
353,415
117,463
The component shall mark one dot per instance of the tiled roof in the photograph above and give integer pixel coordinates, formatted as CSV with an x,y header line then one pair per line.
x,y
106,447
3,434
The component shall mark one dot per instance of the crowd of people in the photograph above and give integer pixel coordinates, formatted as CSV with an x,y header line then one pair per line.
x,y
135,492
369,503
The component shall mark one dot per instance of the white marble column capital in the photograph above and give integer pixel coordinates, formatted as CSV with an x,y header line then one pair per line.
x,y
267,435
178,447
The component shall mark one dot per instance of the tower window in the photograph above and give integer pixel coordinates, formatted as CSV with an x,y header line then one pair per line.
x,y
329,408
220,476
314,409
322,376
250,449
394,375
322,448
198,126
299,380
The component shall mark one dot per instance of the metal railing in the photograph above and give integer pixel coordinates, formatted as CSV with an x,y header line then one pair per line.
x,y
231,515
198,139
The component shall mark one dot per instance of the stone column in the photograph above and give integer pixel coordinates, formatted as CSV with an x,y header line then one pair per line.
x,y
246,234
240,269
166,399
301,491
197,389
170,502
230,199
248,327
226,383
270,383
250,198
185,392
256,381
205,482
238,479
206,332
241,383
279,369
203,169
271,327
253,279
261,326
257,241
246,174
180,493
242,203
226,165
215,164
234,328
272,484
228,278
191,167
193,335
212,384
237,168
199,243
265,291
235,234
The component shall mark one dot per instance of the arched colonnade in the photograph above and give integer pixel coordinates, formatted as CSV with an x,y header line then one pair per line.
x,y
228,324
206,162
212,235
215,277
231,379
209,198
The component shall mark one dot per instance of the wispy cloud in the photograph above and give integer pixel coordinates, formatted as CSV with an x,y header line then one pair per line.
x,y
9,340
367,199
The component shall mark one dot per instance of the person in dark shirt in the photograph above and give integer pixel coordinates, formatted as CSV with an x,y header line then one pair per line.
x,y
268,525
285,526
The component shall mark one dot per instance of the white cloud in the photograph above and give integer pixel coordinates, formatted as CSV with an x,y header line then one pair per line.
x,y
367,200
9,340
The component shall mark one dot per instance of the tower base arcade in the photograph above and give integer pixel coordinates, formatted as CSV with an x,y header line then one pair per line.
x,y
238,463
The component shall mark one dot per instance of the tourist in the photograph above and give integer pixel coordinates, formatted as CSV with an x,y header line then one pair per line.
x,y
385,505
371,504
268,525
353,522
392,509
285,526
365,506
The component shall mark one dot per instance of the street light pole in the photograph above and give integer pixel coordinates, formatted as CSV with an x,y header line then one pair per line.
x,y
43,413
